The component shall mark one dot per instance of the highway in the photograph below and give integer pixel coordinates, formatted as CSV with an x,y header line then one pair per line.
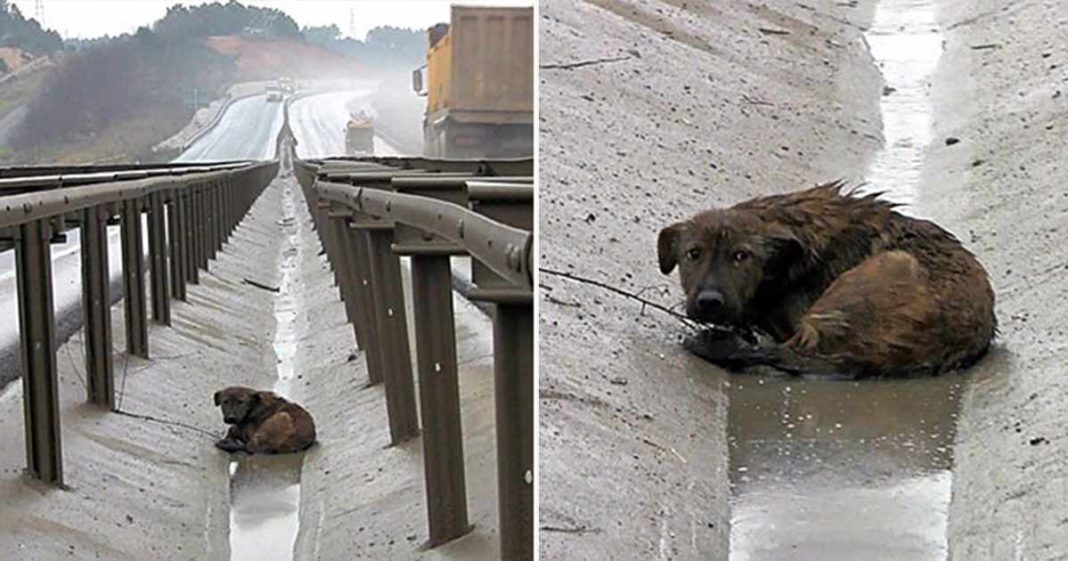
x,y
318,123
248,130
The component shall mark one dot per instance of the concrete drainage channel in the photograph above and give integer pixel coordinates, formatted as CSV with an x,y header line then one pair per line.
x,y
265,490
832,470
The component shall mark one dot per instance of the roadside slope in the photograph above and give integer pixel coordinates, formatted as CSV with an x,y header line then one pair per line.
x,y
1002,90
652,110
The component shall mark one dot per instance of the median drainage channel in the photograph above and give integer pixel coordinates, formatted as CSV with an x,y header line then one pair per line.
x,y
265,489
834,470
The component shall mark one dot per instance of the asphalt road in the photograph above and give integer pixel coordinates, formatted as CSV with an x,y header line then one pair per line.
x,y
318,123
247,131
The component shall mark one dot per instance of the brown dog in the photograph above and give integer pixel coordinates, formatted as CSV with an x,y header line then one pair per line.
x,y
263,423
842,283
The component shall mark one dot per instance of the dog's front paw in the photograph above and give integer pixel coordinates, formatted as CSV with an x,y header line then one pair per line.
x,y
230,445
718,346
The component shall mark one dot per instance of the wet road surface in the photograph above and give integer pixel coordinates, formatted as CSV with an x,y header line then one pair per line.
x,y
248,131
318,123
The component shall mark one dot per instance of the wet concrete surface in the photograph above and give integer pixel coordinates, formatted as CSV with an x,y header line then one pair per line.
x,y
360,497
967,466
265,489
1001,89
153,485
650,111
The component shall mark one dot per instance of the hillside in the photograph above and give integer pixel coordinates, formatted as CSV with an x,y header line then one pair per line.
x,y
260,58
115,98
26,34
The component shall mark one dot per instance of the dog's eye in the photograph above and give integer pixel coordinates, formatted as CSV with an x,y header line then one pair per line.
x,y
740,255
693,254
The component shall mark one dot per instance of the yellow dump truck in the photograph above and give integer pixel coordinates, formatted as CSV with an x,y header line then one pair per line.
x,y
479,84
360,135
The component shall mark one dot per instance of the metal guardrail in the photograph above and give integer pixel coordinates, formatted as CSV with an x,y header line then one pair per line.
x,y
191,211
371,211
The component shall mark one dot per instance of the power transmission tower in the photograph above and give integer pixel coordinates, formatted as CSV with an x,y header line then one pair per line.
x,y
38,11
352,22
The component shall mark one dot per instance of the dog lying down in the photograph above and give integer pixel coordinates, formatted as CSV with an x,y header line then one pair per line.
x,y
263,423
843,285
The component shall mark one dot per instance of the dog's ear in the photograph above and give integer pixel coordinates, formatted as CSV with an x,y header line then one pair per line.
x,y
785,253
218,398
667,246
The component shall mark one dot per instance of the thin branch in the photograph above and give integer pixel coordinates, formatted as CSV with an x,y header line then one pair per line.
x,y
262,286
575,530
645,302
580,64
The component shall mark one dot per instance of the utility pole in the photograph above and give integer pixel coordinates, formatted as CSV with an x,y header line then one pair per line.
x,y
352,22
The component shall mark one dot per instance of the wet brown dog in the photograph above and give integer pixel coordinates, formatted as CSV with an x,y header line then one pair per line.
x,y
842,283
263,423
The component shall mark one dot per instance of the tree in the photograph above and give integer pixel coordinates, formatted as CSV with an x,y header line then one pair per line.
x,y
17,31
225,19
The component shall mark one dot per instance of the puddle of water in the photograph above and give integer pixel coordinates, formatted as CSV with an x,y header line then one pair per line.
x,y
828,470
265,494
906,43
265,490
831,470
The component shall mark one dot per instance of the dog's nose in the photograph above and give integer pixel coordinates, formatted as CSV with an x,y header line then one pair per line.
x,y
709,302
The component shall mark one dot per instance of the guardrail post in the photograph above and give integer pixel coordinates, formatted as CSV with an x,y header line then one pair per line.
x,y
513,369
40,386
513,375
96,306
175,237
355,244
393,335
439,398
230,211
211,199
326,237
345,272
189,212
203,226
157,251
133,274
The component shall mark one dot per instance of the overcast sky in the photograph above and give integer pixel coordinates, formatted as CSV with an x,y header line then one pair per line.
x,y
93,18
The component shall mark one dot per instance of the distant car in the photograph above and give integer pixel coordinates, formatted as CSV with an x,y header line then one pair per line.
x,y
273,94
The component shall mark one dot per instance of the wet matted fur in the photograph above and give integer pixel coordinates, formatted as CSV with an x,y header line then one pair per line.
x,y
841,282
